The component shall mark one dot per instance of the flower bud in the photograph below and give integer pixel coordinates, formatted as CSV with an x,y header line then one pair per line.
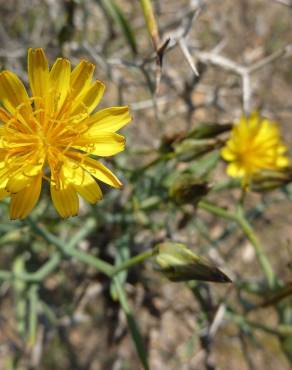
x,y
209,130
188,189
178,263
189,149
267,180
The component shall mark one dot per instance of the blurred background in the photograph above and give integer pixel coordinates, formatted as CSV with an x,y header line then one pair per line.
x,y
212,61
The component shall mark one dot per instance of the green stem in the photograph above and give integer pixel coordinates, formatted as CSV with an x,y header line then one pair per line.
x,y
33,314
217,211
242,222
68,249
19,287
279,331
46,269
50,238
99,264
160,158
86,229
5,275
132,324
132,261
262,258
36,276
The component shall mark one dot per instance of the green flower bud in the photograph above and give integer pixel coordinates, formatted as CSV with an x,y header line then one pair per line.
x,y
209,130
189,149
188,189
267,180
178,263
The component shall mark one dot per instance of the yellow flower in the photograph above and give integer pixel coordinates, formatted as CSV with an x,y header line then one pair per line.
x,y
51,135
254,145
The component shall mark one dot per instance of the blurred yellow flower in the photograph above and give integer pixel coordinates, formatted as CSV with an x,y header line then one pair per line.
x,y
52,135
254,145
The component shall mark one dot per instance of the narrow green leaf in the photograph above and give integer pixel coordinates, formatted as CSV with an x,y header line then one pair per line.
x,y
150,22
33,314
122,254
132,324
204,165
116,13
19,288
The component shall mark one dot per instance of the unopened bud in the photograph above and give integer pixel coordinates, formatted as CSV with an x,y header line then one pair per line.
x,y
189,149
209,130
188,189
268,180
178,263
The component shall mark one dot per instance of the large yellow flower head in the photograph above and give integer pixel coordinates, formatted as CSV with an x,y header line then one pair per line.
x,y
254,145
53,136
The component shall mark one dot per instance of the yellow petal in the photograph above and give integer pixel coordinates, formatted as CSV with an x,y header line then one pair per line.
x,y
103,144
65,200
89,189
267,135
81,77
3,144
22,177
4,116
3,152
4,175
24,201
227,154
96,169
89,99
13,94
253,122
81,181
38,73
17,182
281,149
3,193
241,129
282,162
235,170
109,120
59,83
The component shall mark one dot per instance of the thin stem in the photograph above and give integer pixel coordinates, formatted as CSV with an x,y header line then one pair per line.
x,y
218,211
99,264
33,313
262,258
36,276
19,288
243,223
242,197
46,269
68,249
132,261
132,324
159,159
86,229
50,238
5,275
280,330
